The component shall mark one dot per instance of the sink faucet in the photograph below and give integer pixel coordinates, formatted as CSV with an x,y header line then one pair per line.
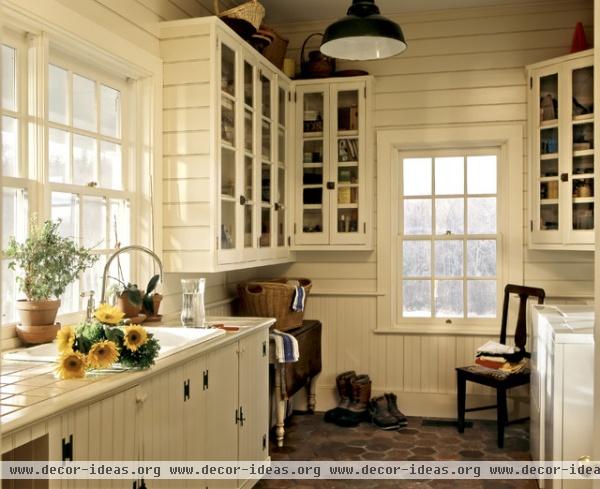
x,y
123,250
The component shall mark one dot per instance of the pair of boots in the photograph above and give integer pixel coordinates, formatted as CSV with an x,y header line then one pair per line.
x,y
355,393
385,413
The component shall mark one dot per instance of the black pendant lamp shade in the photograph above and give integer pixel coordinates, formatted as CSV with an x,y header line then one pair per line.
x,y
363,34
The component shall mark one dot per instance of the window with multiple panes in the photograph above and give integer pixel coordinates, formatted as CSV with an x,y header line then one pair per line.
x,y
85,177
87,165
448,236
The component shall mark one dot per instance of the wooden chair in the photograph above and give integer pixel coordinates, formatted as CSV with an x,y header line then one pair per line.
x,y
499,380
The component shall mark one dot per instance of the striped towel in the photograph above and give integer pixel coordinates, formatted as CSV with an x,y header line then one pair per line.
x,y
286,347
299,299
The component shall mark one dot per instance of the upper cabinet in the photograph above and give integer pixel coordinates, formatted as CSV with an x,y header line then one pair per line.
x,y
227,132
561,169
333,163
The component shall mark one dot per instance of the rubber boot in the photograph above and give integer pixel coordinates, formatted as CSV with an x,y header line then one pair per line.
x,y
344,388
359,404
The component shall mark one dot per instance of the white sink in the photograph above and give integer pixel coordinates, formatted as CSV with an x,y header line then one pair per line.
x,y
171,340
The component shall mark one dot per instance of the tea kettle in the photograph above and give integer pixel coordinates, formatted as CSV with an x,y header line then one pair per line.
x,y
318,65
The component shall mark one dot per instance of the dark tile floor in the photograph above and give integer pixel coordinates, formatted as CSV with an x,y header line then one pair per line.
x,y
310,438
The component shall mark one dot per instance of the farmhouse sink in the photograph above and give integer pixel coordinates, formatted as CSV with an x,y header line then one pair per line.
x,y
171,339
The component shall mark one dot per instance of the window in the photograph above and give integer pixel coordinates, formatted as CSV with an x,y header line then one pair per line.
x,y
87,165
449,235
16,187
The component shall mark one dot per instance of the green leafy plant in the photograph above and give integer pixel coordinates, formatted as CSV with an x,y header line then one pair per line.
x,y
148,296
131,291
48,261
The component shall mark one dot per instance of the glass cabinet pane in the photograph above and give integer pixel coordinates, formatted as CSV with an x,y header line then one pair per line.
x,y
249,178
347,220
281,146
266,140
248,84
583,137
313,112
265,227
583,216
228,121
583,92
228,172
582,165
248,226
266,96
227,224
282,107
312,221
227,70
248,131
266,183
281,227
281,186
549,141
549,217
348,110
348,149
549,97
313,151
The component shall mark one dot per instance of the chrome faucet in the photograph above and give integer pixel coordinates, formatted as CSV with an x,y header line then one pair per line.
x,y
123,250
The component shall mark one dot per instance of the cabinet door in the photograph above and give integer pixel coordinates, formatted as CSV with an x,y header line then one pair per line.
x,y
229,153
267,167
254,397
545,109
347,219
312,155
579,140
222,409
281,206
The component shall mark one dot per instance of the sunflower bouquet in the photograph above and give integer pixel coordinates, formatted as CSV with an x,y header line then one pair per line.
x,y
100,343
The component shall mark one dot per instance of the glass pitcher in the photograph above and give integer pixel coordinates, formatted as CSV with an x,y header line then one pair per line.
x,y
192,304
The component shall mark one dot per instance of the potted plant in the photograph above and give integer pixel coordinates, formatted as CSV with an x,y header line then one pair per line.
x,y
151,300
48,263
129,297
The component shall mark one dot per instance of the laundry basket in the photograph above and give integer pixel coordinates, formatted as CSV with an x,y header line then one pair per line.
x,y
273,299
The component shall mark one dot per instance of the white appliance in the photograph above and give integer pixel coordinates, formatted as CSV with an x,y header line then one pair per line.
x,y
562,379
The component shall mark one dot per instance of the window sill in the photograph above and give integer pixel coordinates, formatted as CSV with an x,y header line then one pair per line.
x,y
440,330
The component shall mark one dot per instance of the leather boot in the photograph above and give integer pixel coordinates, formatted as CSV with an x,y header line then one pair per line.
x,y
358,409
380,414
394,411
344,388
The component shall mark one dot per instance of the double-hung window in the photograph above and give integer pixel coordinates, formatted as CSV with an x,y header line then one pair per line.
x,y
448,237
89,179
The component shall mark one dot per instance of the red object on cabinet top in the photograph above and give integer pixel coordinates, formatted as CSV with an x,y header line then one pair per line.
x,y
579,41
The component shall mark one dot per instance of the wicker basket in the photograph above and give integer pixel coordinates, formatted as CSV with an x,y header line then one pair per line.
x,y
273,298
251,12
275,52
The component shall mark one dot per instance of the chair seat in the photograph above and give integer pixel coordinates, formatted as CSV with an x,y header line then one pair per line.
x,y
493,377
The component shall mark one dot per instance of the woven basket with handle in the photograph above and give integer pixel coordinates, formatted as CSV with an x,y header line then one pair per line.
x,y
273,299
251,12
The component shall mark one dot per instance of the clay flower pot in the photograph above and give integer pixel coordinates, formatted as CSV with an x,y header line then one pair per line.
x,y
37,321
130,310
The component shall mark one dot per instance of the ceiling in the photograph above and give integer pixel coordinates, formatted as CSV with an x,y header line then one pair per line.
x,y
282,11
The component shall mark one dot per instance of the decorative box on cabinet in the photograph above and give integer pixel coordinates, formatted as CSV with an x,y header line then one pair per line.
x,y
333,161
561,153
227,127
562,387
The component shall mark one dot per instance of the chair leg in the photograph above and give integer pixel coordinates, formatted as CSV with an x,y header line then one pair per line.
x,y
502,415
461,394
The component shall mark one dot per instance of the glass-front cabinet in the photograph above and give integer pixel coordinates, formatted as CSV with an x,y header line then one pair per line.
x,y
332,174
252,159
561,134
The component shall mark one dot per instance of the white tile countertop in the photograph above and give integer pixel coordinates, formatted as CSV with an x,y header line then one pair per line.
x,y
31,391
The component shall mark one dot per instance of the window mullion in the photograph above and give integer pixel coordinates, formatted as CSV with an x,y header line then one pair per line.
x,y
465,240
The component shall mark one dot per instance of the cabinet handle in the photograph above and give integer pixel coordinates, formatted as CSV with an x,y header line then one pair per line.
x,y
564,177
186,390
67,449
237,417
242,419
277,206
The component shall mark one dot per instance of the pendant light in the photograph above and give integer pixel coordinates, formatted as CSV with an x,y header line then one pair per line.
x,y
363,34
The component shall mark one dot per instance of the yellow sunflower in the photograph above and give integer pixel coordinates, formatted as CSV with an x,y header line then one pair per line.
x,y
135,337
71,365
65,339
109,314
103,354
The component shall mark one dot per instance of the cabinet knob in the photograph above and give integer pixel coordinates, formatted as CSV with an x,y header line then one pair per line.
x,y
140,397
564,177
243,200
331,185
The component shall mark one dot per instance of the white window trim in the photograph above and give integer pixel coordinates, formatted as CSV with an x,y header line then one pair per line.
x,y
52,25
390,144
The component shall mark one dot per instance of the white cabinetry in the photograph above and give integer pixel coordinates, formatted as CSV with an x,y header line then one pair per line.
x,y
333,161
562,380
227,125
561,138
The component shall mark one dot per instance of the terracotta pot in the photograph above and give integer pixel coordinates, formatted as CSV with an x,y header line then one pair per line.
x,y
127,307
35,335
37,313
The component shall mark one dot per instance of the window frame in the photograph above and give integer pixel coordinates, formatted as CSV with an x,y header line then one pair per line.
x,y
399,237
392,143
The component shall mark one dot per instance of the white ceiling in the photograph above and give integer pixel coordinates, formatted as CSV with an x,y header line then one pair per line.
x,y
282,11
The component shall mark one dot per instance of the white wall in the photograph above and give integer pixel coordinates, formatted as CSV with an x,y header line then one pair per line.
x,y
462,66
